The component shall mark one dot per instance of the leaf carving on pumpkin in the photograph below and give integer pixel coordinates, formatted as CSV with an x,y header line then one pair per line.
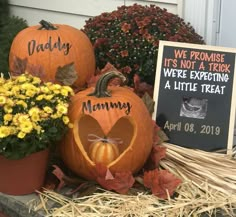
x,y
36,70
121,182
161,182
149,102
66,74
19,66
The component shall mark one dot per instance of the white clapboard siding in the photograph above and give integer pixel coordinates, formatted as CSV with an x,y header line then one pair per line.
x,y
76,12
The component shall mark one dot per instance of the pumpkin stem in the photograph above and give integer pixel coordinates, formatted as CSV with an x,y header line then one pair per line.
x,y
102,84
46,25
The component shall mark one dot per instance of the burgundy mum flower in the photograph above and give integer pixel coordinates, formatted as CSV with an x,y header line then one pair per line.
x,y
128,38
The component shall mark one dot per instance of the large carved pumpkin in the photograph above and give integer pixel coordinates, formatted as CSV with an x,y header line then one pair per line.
x,y
54,53
120,123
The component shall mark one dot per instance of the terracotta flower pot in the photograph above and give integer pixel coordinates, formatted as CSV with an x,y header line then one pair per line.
x,y
23,176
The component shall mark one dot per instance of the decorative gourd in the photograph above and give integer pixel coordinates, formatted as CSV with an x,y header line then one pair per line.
x,y
103,152
51,51
114,113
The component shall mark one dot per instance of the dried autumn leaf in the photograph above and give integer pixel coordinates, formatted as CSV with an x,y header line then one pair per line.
x,y
91,82
120,182
151,180
60,176
66,74
158,153
66,180
108,67
100,171
163,137
162,183
156,138
148,101
167,182
140,87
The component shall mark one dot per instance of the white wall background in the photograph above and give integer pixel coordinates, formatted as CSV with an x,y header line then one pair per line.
x,y
201,14
75,12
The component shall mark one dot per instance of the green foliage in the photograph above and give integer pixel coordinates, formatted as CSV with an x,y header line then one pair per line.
x,y
128,38
4,11
9,28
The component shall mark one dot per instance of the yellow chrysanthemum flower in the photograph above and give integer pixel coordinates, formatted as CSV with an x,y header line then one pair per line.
x,y
7,117
65,119
21,96
21,78
48,97
55,92
55,116
3,100
34,110
26,126
8,108
44,115
37,128
36,80
45,90
22,103
23,118
55,87
30,93
10,102
16,89
64,92
40,97
21,135
35,117
48,109
62,108
4,131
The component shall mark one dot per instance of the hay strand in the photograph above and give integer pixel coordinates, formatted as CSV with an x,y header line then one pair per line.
x,y
218,170
208,186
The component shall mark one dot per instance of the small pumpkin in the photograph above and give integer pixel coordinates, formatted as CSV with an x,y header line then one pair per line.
x,y
114,112
103,152
54,53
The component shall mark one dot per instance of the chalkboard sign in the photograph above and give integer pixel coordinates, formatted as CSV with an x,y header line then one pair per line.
x,y
195,95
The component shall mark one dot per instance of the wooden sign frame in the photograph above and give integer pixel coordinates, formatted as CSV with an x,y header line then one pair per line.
x,y
195,95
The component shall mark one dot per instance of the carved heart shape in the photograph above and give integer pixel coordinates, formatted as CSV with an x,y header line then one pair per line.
x,y
124,129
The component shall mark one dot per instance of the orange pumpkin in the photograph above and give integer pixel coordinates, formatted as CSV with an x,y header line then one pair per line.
x,y
114,113
47,50
103,152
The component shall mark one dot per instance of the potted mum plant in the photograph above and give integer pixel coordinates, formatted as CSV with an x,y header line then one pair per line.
x,y
128,38
33,118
